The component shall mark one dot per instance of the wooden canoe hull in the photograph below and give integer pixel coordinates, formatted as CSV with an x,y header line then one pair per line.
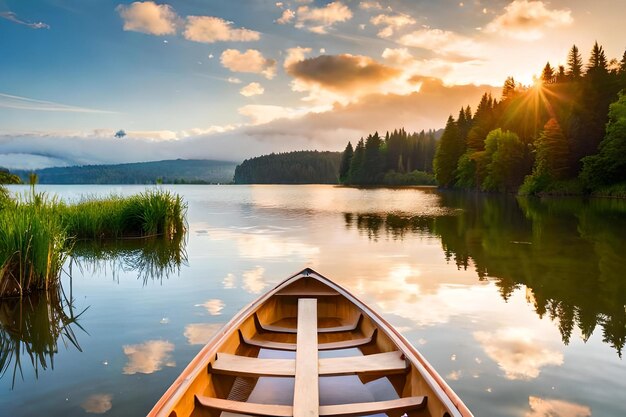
x,y
287,319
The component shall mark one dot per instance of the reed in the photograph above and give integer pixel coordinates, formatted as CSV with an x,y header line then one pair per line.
x,y
37,233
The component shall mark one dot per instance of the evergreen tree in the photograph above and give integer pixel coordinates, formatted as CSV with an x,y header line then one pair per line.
x,y
609,165
344,167
553,151
547,75
560,76
373,160
508,90
574,64
449,150
622,64
505,156
597,61
355,174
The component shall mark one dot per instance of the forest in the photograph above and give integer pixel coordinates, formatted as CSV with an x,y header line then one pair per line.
x,y
299,167
566,134
399,158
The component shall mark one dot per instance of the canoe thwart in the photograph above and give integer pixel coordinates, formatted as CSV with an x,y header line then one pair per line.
x,y
344,344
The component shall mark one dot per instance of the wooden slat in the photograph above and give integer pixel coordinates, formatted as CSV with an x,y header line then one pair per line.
x,y
245,366
281,329
363,409
251,409
306,388
385,363
345,344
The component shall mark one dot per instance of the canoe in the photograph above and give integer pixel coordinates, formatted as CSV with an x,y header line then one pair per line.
x,y
309,348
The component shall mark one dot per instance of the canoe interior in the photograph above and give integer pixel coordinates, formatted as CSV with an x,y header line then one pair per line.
x,y
254,359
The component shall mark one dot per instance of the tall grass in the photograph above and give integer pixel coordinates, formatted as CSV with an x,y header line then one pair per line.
x,y
37,233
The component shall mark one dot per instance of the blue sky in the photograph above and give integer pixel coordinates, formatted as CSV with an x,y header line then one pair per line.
x,y
224,79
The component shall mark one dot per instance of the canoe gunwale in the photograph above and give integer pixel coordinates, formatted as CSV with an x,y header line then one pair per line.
x,y
200,362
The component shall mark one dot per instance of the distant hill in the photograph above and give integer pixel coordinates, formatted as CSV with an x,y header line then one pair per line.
x,y
179,171
301,167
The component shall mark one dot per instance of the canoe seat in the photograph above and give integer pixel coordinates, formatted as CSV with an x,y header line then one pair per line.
x,y
349,327
379,363
342,410
344,344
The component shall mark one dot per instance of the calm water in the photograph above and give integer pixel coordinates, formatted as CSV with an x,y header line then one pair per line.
x,y
519,304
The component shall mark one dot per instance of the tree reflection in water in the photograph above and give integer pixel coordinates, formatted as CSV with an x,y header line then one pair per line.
x,y
568,252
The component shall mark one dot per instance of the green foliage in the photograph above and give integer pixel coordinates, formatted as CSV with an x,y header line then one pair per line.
x,y
506,156
192,171
574,63
609,165
449,150
7,178
346,159
409,178
302,167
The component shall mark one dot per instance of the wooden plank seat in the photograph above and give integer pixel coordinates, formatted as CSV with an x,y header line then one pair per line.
x,y
379,363
344,344
349,327
343,410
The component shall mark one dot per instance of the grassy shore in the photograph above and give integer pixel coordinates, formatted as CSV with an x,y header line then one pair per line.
x,y
37,233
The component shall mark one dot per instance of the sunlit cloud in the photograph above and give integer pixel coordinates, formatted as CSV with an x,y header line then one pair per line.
x,y
286,17
97,403
540,407
441,42
234,80
321,19
252,89
251,61
517,352
201,333
148,357
295,54
370,5
11,16
527,20
229,281
148,17
9,101
391,23
210,29
253,280
214,306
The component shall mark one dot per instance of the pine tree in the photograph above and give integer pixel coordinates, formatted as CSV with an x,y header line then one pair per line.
x,y
547,75
574,63
597,61
508,90
344,167
373,159
553,151
355,174
622,64
560,76
449,150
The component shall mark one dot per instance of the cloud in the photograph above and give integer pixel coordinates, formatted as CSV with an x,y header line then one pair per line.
x,y
342,73
320,19
148,357
287,17
13,18
442,42
391,23
541,407
250,61
295,55
526,20
148,17
201,333
253,280
209,29
252,89
24,103
213,306
517,352
398,56
234,80
370,5
97,403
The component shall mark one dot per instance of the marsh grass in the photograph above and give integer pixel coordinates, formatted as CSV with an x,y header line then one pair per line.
x,y
37,233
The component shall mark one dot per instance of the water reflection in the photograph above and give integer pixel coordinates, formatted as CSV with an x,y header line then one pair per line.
x,y
148,357
201,333
150,258
569,253
556,408
31,329
97,403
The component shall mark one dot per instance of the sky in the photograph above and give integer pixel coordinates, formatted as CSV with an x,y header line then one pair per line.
x,y
228,80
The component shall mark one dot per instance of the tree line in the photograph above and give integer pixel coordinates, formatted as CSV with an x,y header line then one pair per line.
x,y
565,134
400,158
300,167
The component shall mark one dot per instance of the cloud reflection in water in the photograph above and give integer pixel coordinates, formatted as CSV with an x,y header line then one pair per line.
x,y
148,357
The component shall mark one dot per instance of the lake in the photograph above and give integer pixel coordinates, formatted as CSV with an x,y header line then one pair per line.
x,y
520,304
